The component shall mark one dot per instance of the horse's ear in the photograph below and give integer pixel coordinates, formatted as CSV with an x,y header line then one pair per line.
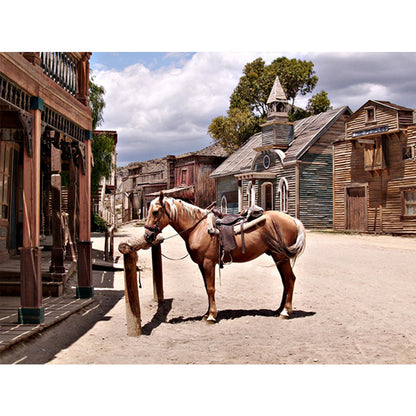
x,y
161,196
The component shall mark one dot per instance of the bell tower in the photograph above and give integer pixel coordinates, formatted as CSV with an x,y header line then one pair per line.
x,y
277,132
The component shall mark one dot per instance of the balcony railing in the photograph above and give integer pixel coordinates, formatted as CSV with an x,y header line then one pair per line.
x,y
62,68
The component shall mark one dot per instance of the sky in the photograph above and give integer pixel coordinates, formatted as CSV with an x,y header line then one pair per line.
x,y
162,103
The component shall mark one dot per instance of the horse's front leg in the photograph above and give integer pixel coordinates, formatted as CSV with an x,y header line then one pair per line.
x,y
208,273
288,280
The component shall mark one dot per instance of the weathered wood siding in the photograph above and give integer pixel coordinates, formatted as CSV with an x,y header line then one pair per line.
x,y
384,187
315,179
228,186
384,116
205,187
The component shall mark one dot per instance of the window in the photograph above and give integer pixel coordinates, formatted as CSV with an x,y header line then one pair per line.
x,y
370,114
267,196
373,154
409,203
284,195
6,154
409,152
251,194
224,204
183,177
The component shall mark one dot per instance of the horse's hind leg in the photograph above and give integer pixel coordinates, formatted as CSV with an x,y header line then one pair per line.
x,y
288,280
208,273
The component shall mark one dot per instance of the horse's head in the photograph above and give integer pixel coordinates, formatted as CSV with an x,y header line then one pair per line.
x,y
157,219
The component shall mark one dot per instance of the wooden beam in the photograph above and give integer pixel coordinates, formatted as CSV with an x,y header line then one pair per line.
x,y
131,291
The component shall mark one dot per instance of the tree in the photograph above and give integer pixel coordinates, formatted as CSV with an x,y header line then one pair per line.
x,y
233,130
102,145
97,103
319,103
251,94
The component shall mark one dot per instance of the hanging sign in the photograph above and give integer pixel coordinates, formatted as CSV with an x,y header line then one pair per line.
x,y
374,130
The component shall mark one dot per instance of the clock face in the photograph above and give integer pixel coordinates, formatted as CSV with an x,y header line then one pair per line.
x,y
266,161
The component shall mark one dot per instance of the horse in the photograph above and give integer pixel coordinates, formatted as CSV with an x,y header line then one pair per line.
x,y
279,235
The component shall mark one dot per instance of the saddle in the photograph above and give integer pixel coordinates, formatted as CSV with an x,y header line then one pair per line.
x,y
226,226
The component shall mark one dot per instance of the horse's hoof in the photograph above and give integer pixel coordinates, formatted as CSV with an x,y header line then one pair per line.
x,y
211,320
284,314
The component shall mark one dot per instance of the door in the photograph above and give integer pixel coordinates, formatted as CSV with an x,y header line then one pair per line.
x,y
356,208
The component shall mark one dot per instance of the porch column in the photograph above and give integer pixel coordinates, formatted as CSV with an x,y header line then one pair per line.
x,y
58,252
85,288
31,310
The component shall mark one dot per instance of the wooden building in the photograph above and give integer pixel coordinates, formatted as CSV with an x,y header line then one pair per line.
x,y
138,180
45,135
375,171
286,167
189,175
185,177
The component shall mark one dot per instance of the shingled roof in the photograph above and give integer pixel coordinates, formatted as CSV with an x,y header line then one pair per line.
x,y
308,130
214,149
241,160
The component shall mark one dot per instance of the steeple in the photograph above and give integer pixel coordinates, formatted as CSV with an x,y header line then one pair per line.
x,y
277,131
277,102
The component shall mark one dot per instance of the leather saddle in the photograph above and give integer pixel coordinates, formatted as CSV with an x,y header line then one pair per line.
x,y
225,223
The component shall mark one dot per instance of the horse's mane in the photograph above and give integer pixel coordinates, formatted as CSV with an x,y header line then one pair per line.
x,y
175,205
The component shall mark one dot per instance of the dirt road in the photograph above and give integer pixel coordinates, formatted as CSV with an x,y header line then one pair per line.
x,y
354,301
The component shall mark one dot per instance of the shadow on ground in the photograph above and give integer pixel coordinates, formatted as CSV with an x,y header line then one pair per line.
x,y
240,313
43,347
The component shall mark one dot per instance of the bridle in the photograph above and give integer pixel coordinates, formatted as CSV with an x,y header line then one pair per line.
x,y
154,229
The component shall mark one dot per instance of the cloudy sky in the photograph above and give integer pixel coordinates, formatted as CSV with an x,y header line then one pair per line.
x,y
162,103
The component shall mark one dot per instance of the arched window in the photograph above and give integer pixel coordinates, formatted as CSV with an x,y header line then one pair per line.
x,y
284,195
251,194
267,196
224,204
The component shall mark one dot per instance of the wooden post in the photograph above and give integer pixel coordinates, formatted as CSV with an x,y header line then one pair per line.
x,y
131,291
31,310
157,273
58,252
85,287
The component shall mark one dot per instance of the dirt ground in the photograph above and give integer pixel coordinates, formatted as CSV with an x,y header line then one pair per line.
x,y
354,303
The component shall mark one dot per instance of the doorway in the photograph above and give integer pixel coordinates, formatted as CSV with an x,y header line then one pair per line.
x,y
356,208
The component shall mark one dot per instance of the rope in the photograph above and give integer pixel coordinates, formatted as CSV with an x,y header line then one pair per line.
x,y
169,258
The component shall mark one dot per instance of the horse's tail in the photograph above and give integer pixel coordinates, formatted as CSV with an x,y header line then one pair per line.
x,y
277,244
296,249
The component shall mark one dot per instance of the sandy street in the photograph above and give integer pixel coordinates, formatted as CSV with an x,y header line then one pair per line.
x,y
354,300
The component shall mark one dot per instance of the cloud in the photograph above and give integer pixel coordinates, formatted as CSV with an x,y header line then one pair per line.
x,y
168,110
161,109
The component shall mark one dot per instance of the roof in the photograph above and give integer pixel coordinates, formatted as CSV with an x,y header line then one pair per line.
x,y
308,130
277,93
240,160
387,104
214,149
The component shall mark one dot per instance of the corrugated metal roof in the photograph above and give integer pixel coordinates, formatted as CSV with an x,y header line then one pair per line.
x,y
240,160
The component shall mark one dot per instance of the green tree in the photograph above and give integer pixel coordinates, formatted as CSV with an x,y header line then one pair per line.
x,y
319,103
251,94
233,130
102,145
97,103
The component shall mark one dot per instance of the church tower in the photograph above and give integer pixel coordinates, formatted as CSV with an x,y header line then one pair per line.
x,y
277,132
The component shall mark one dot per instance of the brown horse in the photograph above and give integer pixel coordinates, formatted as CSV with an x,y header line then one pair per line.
x,y
279,235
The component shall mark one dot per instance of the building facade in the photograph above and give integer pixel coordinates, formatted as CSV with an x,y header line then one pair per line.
x,y
375,171
287,166
45,140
